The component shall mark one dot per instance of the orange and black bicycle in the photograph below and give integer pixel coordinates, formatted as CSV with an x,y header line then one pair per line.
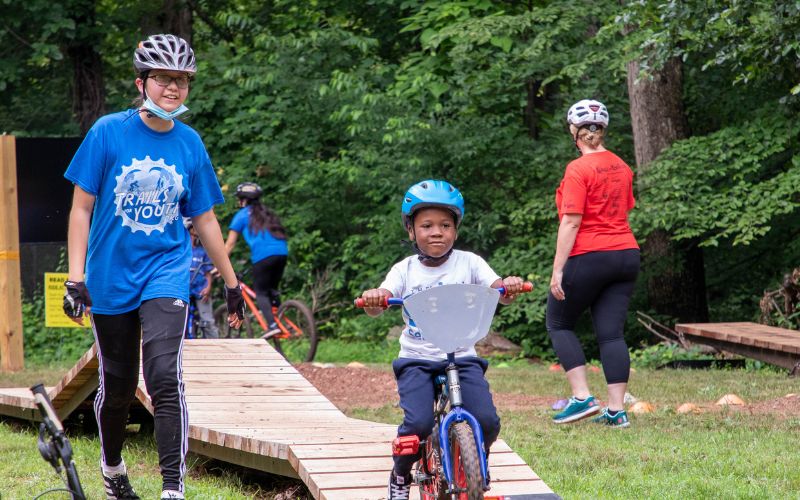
x,y
297,340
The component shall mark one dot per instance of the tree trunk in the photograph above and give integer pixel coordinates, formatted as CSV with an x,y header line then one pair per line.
x,y
177,19
88,89
674,270
532,105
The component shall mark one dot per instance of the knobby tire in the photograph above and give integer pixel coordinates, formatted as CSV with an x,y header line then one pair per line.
x,y
466,463
226,332
299,314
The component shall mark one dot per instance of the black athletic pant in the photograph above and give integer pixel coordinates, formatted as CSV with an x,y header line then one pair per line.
x,y
602,282
267,274
159,325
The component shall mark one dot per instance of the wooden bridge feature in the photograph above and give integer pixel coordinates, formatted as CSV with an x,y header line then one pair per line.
x,y
249,406
777,346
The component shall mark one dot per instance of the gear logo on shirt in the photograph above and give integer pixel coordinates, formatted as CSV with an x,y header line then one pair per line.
x,y
147,195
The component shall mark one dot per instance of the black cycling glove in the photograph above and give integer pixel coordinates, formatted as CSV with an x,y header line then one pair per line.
x,y
76,299
235,301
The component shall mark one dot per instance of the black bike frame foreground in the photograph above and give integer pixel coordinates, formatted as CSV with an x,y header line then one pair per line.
x,y
54,445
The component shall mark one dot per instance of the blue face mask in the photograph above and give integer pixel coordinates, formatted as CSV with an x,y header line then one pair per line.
x,y
159,111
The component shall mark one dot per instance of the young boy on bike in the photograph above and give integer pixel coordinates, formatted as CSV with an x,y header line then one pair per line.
x,y
200,279
432,210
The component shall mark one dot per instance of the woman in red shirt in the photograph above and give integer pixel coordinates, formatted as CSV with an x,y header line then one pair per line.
x,y
595,266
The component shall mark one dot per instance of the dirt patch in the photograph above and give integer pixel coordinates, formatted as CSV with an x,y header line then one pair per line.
x,y
353,387
372,388
349,387
785,407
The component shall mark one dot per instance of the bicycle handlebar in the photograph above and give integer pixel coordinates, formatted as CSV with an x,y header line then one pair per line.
x,y
396,301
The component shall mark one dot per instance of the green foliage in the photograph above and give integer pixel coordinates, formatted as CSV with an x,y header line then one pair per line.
x,y
335,107
46,345
728,185
660,354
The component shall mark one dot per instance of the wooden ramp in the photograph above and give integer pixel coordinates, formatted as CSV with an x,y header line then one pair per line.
x,y
777,346
250,407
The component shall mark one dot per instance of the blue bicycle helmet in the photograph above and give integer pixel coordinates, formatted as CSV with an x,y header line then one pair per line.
x,y
432,193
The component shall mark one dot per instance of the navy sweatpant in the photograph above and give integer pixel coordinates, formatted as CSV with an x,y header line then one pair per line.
x,y
602,282
415,385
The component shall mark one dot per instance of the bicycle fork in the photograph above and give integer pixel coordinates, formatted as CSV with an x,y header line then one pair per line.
x,y
459,414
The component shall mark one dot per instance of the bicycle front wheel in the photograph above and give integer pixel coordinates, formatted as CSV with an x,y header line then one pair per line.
x,y
225,331
466,466
301,343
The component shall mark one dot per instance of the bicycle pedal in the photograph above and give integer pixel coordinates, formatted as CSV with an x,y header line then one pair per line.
x,y
420,478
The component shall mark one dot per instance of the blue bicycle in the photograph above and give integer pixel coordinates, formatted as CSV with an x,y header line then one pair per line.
x,y
453,464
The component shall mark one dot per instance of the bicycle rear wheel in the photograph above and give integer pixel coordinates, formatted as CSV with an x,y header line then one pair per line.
x,y
301,344
466,466
225,331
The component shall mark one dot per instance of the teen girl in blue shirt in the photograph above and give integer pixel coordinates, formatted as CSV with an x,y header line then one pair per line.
x,y
136,174
266,237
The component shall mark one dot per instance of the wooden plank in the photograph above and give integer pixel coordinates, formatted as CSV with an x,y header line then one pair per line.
x,y
276,421
252,460
348,480
376,449
83,372
227,361
227,369
17,396
12,355
248,399
748,334
497,490
262,407
384,462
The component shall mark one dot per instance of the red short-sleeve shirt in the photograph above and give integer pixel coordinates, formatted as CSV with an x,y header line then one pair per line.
x,y
598,186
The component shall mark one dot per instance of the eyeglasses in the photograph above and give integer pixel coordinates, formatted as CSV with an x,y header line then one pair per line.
x,y
161,80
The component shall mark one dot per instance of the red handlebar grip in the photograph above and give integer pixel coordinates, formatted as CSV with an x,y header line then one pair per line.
x,y
527,287
359,302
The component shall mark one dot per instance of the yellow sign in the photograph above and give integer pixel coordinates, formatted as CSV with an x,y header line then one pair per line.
x,y
54,316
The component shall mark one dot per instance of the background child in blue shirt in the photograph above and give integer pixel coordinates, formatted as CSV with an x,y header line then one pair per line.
x,y
200,279
432,211
265,235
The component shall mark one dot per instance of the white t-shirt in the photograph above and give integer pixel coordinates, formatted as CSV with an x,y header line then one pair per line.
x,y
410,276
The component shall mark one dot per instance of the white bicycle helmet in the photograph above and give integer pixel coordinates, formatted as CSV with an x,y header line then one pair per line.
x,y
164,52
588,112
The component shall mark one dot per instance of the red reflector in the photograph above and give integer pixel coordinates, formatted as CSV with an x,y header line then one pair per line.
x,y
405,445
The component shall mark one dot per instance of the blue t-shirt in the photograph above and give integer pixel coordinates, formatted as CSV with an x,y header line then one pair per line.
x,y
263,244
201,265
143,182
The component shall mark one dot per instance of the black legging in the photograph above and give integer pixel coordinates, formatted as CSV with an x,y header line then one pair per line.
x,y
603,282
267,274
158,324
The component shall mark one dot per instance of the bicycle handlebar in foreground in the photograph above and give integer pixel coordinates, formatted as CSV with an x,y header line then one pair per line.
x,y
395,301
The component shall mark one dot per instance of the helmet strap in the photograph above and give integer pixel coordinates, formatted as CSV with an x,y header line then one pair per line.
x,y
425,258
144,76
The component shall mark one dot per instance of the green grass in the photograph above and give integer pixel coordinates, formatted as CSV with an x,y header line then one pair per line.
x,y
730,454
26,475
338,351
727,454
